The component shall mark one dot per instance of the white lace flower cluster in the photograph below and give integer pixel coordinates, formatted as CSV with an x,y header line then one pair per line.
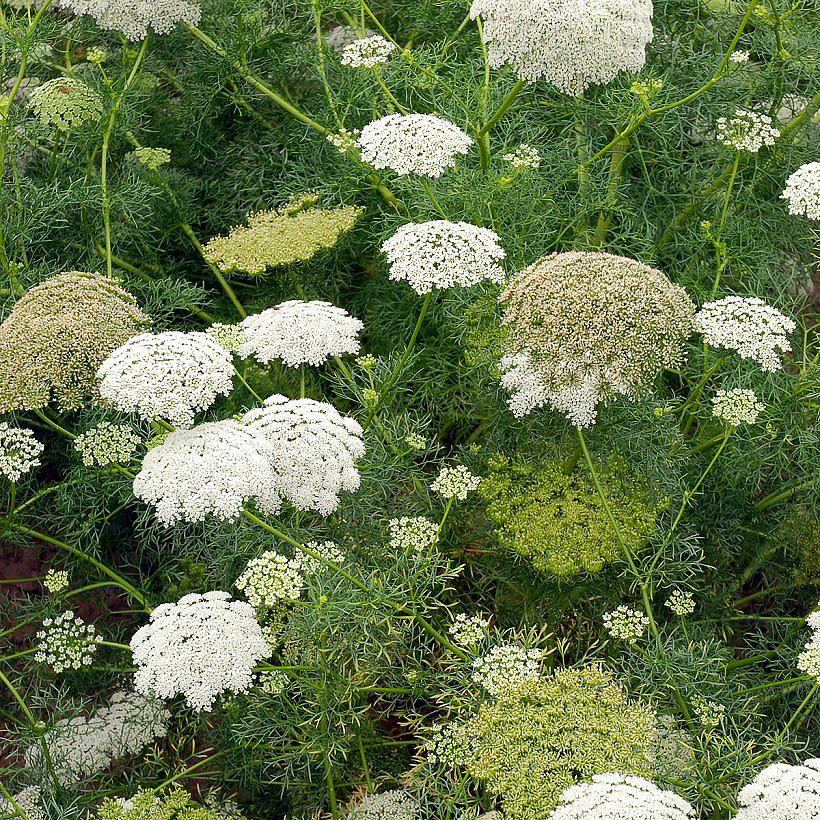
x,y
200,647
55,580
327,550
626,624
455,482
411,533
708,712
416,441
211,469
737,406
748,326
746,131
782,792
271,578
134,19
313,450
808,661
367,52
171,375
390,805
468,630
443,254
66,642
273,682
412,144
85,746
802,191
344,140
447,745
228,336
19,451
571,44
300,332
107,443
339,37
681,602
618,797
29,800
523,158
506,666
739,57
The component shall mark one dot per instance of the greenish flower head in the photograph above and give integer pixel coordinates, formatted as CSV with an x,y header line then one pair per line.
x,y
557,521
146,804
152,158
66,103
541,737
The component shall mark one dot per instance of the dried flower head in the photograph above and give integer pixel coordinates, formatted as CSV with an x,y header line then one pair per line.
x,y
19,451
134,19
200,647
66,642
748,326
737,406
584,327
455,482
412,144
626,624
505,667
107,443
782,792
802,191
746,131
681,602
537,739
65,103
271,239
416,533
55,580
211,469
300,332
442,254
313,450
612,796
151,158
469,630
367,52
569,43
58,334
170,375
270,579
389,805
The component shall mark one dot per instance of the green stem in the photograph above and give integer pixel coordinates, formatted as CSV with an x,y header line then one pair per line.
x,y
502,109
432,198
247,386
781,495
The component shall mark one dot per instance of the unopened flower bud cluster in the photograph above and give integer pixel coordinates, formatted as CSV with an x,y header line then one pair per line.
x,y
228,336
708,712
468,630
107,443
681,602
802,191
367,52
746,131
411,533
151,158
626,624
447,745
55,580
416,441
737,406
19,451
66,642
455,482
506,666
65,103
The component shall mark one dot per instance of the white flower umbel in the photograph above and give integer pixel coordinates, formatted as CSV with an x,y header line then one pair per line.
x,y
134,19
271,578
66,642
447,745
737,406
107,443
211,469
29,800
327,550
389,805
171,375
708,712
619,797
782,792
626,624
748,326
313,450
739,57
468,630
523,158
19,451
681,602
228,336
55,580
338,38
455,482
367,52
746,131
199,647
443,254
412,144
571,44
300,332
506,666
411,533
808,661
83,747
802,191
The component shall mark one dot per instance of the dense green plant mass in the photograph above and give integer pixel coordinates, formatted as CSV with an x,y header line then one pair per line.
x,y
489,333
